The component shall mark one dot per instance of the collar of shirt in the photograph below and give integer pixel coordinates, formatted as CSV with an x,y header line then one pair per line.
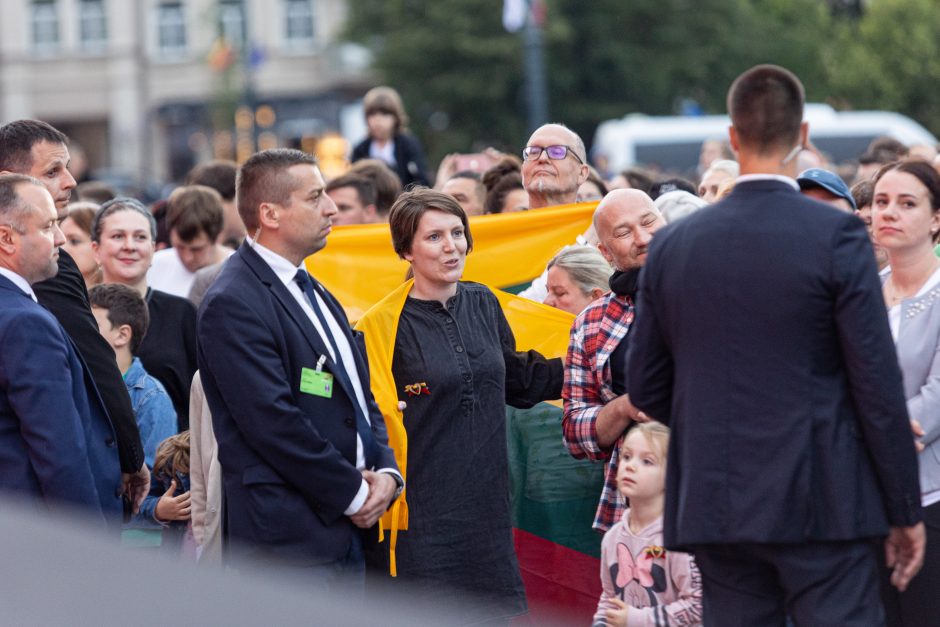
x,y
19,282
744,178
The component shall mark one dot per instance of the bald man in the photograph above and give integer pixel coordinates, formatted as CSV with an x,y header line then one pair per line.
x,y
597,408
554,166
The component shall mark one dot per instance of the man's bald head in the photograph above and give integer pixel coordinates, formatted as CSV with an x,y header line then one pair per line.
x,y
625,221
554,181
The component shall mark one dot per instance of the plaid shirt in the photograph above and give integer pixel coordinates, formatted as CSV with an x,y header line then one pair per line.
x,y
595,334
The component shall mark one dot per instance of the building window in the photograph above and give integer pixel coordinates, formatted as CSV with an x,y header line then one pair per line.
x,y
171,29
45,25
92,24
231,22
298,22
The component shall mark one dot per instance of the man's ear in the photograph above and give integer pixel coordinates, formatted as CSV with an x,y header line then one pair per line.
x,y
8,239
583,174
804,134
605,252
372,214
269,215
733,139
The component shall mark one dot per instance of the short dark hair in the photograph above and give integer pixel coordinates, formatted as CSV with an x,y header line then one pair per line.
x,y
387,184
665,186
219,174
501,178
18,138
264,178
766,108
121,203
13,209
124,305
862,193
364,187
922,171
195,209
407,211
638,179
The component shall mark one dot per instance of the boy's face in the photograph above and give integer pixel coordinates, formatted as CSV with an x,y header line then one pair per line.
x,y
117,337
641,472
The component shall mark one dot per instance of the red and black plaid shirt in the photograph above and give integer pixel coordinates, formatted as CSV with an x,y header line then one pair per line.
x,y
595,334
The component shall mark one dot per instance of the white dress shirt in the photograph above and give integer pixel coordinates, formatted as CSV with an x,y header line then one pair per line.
x,y
286,273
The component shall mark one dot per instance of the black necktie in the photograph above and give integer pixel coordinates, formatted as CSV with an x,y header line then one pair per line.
x,y
362,425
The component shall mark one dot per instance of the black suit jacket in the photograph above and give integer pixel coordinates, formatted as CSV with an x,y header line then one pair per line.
x,y
761,338
66,297
288,457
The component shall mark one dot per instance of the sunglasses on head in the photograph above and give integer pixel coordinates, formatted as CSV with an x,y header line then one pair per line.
x,y
555,153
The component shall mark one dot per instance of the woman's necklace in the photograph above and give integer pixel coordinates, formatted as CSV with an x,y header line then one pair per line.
x,y
894,295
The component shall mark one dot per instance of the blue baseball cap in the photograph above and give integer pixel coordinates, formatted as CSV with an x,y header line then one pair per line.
x,y
829,181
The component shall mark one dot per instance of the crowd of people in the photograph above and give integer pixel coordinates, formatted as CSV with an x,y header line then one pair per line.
x,y
753,359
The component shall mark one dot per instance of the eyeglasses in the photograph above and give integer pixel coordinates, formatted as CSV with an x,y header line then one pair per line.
x,y
555,153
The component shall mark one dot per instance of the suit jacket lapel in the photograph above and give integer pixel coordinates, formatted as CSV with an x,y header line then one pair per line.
x,y
287,301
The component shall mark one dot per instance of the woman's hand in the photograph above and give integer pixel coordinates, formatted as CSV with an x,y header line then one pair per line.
x,y
171,507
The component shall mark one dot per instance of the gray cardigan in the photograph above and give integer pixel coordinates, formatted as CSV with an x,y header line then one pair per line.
x,y
918,348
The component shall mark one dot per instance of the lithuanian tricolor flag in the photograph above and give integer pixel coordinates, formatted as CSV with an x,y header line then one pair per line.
x,y
553,495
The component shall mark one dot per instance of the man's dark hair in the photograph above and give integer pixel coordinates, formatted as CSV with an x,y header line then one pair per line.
x,y
195,209
766,108
665,186
638,179
219,174
364,187
124,305
406,214
387,184
467,174
264,178
18,138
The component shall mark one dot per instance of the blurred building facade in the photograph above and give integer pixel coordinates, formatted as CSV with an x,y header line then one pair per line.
x,y
150,87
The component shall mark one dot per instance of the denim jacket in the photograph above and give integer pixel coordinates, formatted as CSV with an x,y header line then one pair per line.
x,y
153,408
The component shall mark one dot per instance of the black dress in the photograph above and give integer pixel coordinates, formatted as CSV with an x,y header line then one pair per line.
x,y
461,368
168,351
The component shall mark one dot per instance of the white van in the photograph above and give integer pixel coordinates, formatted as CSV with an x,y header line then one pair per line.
x,y
672,143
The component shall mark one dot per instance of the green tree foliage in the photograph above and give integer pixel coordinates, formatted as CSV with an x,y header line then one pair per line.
x,y
890,59
461,73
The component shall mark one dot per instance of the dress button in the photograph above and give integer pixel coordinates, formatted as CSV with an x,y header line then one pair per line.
x,y
109,441
459,349
349,422
467,378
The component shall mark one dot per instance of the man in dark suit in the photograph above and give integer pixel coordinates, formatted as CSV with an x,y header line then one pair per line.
x,y
761,338
305,464
52,441
35,148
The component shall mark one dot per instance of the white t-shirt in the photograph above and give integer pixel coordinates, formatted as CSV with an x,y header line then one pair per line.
x,y
168,274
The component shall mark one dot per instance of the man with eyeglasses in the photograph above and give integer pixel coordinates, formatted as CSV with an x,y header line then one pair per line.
x,y
554,166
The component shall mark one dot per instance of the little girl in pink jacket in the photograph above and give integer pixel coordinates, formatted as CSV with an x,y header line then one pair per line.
x,y
643,583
